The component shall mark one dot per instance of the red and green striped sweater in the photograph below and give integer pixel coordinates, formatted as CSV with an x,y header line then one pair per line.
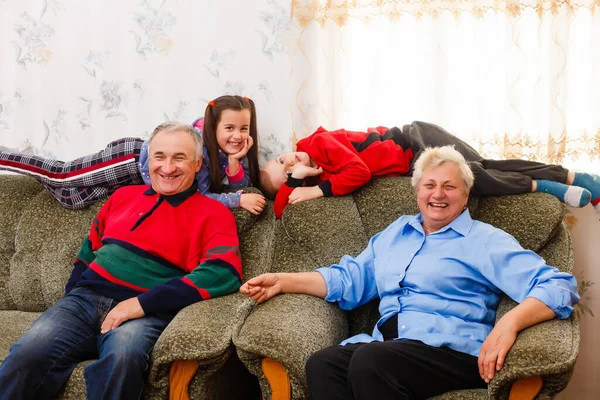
x,y
169,251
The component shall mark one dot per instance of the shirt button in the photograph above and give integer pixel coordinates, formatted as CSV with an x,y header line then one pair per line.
x,y
403,327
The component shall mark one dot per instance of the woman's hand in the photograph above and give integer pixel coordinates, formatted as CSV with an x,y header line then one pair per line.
x,y
494,349
262,287
253,202
304,193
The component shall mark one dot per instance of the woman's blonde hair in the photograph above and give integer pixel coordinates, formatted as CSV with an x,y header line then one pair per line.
x,y
431,157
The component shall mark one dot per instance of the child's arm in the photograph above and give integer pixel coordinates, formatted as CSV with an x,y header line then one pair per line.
x,y
229,200
293,185
253,202
283,195
241,178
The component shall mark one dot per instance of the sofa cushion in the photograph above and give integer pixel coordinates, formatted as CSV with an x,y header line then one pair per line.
x,y
531,218
325,230
15,193
47,240
14,324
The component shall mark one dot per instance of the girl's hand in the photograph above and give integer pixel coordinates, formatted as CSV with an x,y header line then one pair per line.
x,y
253,202
242,153
262,287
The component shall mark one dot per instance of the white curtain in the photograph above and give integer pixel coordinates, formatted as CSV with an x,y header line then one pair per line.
x,y
515,79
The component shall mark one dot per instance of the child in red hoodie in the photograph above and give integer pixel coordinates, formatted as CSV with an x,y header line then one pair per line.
x,y
335,163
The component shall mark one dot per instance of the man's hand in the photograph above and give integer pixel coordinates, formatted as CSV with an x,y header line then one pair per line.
x,y
124,311
305,193
301,171
262,287
253,202
494,350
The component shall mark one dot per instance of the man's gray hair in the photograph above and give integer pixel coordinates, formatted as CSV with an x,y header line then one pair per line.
x,y
431,157
173,126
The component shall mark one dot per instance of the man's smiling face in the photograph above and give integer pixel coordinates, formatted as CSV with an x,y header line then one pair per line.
x,y
172,163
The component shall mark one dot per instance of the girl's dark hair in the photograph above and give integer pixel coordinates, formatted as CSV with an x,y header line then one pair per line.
x,y
212,116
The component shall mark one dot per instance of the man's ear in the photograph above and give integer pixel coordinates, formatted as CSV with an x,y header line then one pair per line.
x,y
198,164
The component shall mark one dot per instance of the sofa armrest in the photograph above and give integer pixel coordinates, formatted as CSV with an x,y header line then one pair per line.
x,y
201,332
289,328
548,349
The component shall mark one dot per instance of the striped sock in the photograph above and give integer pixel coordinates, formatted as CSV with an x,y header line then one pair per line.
x,y
592,183
573,196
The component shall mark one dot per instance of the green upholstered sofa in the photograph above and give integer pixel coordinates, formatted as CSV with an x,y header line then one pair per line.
x,y
38,242
289,327
230,336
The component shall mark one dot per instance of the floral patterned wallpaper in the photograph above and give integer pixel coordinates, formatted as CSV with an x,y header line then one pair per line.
x,y
78,74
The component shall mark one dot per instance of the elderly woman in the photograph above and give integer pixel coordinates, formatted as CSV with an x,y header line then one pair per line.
x,y
439,276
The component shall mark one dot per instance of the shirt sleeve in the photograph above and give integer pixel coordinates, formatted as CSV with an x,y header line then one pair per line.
x,y
90,245
229,200
219,271
522,273
351,283
242,178
283,195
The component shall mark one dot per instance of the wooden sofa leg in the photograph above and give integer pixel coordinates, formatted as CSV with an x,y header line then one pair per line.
x,y
526,388
278,379
180,376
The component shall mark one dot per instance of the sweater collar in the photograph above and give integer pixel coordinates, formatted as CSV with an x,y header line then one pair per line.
x,y
178,198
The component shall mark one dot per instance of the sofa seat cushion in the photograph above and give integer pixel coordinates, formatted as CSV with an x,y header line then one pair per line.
x,y
14,324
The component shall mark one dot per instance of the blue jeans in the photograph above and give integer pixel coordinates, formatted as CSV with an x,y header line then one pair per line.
x,y
40,363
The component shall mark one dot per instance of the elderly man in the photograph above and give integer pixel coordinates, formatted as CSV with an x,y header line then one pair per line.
x,y
151,251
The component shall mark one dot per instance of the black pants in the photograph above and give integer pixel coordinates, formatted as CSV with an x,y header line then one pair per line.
x,y
393,369
492,177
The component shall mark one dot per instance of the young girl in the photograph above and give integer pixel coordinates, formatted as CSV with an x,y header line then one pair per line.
x,y
229,133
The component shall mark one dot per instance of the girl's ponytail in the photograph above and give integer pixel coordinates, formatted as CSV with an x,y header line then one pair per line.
x,y
209,136
252,154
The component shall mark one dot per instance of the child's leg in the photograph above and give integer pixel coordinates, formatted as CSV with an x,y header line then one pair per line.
x,y
105,168
76,198
79,183
591,183
573,196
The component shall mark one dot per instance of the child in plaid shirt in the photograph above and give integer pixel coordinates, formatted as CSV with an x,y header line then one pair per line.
x,y
228,130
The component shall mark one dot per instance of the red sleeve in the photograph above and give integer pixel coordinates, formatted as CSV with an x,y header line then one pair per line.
x,y
283,195
349,172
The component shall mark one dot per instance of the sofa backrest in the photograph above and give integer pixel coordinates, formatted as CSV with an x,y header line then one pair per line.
x,y
40,239
319,232
15,195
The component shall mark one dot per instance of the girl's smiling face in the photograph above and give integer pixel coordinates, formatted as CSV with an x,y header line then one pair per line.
x,y
233,130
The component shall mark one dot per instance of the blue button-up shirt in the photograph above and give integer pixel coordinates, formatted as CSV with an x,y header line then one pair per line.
x,y
445,286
